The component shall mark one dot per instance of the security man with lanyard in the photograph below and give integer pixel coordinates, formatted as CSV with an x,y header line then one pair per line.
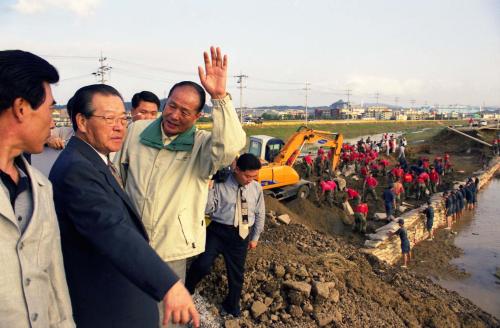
x,y
236,207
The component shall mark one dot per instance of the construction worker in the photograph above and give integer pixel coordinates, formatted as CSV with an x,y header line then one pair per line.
x,y
389,202
369,186
364,170
460,203
407,183
433,180
374,168
422,181
360,214
318,170
448,205
354,196
469,197
405,242
429,215
383,166
398,190
397,172
327,191
447,164
308,163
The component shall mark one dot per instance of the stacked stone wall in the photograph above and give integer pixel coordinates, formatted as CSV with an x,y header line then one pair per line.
x,y
388,249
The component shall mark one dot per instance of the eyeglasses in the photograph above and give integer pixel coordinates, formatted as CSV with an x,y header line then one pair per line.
x,y
112,121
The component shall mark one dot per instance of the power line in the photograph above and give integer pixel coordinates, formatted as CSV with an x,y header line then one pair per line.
x,y
75,77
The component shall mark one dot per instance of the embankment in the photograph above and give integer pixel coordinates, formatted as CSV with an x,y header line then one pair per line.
x,y
388,249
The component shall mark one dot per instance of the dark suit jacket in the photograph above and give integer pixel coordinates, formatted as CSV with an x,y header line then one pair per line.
x,y
114,277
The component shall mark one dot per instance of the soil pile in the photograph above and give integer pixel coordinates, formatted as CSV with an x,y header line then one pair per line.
x,y
298,277
311,273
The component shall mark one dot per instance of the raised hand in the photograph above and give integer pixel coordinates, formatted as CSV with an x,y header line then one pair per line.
x,y
214,77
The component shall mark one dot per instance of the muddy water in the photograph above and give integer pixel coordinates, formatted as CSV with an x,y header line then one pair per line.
x,y
479,238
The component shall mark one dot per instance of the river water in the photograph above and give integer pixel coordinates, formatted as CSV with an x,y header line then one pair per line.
x,y
479,238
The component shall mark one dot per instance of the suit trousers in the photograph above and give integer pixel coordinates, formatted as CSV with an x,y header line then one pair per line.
x,y
225,240
179,267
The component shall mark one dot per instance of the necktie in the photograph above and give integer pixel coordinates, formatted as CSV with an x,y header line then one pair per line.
x,y
241,214
114,172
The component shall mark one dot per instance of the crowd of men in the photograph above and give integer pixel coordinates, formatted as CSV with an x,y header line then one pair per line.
x,y
401,179
104,242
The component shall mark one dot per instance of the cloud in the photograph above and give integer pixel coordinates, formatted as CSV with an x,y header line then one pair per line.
x,y
372,84
78,7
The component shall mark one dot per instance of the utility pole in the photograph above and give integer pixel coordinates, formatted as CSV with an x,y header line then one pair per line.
x,y
377,95
436,108
307,89
102,70
241,86
348,95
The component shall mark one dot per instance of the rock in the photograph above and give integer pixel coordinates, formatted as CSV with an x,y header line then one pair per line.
x,y
285,317
402,208
268,301
290,269
284,218
279,271
260,276
214,311
373,243
296,297
302,287
302,272
246,297
324,319
232,323
334,295
308,308
321,291
295,311
274,317
258,308
380,216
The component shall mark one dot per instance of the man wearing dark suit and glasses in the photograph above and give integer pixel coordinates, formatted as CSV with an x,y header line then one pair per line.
x,y
114,277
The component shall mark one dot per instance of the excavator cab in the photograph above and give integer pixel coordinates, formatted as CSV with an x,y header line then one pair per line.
x,y
265,147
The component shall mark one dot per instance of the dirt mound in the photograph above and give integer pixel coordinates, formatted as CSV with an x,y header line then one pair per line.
x,y
311,273
302,278
452,142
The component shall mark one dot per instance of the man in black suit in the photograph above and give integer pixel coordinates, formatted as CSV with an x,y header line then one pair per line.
x,y
115,278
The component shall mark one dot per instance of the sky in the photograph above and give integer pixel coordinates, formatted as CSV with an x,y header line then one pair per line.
x,y
429,51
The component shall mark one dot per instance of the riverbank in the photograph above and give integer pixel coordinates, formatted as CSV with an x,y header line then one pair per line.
x,y
311,273
470,270
299,277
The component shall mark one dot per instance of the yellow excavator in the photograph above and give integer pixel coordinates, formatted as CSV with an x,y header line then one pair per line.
x,y
277,175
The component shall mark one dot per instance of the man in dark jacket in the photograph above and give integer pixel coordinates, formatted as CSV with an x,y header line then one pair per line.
x,y
115,278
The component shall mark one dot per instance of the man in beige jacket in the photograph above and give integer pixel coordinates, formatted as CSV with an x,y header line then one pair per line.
x,y
166,164
33,289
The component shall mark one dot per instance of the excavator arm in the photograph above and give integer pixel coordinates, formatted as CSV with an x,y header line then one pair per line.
x,y
304,136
